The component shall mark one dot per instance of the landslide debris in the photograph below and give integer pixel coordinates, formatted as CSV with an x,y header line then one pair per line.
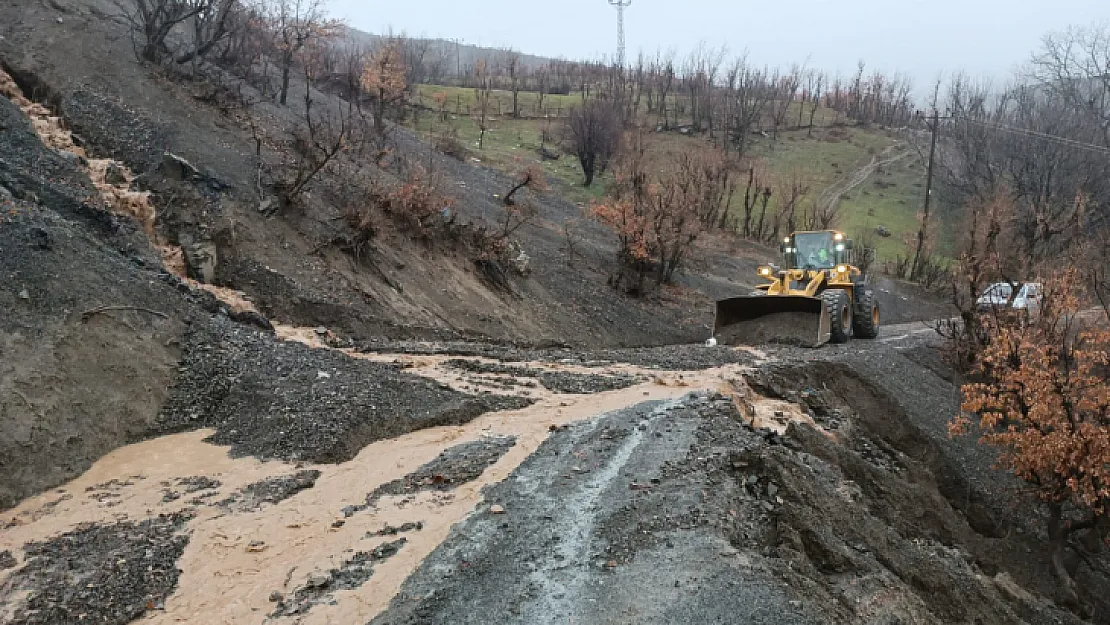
x,y
685,357
97,573
63,254
454,466
285,400
270,491
682,512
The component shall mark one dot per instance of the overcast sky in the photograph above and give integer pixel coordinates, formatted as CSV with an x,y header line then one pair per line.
x,y
922,38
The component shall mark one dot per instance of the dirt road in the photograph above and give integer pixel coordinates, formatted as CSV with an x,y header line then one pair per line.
x,y
831,196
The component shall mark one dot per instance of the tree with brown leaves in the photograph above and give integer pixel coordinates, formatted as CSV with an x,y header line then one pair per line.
x,y
1044,402
657,219
384,82
298,22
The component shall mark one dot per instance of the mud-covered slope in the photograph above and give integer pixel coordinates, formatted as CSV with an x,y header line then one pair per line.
x,y
74,383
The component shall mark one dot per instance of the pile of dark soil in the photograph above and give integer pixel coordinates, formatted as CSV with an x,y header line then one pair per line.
x,y
274,399
270,491
188,486
110,574
390,530
62,255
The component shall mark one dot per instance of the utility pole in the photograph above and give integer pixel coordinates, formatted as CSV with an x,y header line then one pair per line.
x,y
458,63
620,5
922,231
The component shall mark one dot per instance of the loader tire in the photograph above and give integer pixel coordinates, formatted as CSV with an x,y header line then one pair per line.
x,y
840,315
866,320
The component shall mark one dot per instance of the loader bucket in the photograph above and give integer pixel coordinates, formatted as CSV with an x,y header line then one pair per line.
x,y
789,319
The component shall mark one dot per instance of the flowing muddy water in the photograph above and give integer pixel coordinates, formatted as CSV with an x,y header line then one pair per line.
x,y
235,560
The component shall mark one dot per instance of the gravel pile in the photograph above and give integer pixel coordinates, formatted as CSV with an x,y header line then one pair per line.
x,y
320,586
274,399
393,530
270,491
110,574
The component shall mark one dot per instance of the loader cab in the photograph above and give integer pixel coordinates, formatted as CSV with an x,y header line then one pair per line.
x,y
815,250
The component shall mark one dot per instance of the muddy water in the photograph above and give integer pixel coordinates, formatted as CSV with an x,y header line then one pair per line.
x,y
225,582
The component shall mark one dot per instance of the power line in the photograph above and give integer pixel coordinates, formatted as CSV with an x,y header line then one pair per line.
x,y
1035,134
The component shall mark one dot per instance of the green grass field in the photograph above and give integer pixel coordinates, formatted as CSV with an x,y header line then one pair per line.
x,y
891,197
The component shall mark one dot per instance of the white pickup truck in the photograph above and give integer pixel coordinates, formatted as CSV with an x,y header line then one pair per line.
x,y
1001,295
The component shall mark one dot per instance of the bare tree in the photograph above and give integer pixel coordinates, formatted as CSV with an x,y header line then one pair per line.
x,y
317,142
542,80
749,94
817,83
664,81
793,189
594,130
152,22
296,22
1075,64
510,59
483,95
1030,144
757,190
785,89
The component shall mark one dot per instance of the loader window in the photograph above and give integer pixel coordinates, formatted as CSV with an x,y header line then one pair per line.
x,y
815,250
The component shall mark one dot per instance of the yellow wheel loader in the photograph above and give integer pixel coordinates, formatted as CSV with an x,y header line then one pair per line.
x,y
818,296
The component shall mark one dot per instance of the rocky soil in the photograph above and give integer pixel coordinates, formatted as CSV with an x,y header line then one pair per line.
x,y
455,466
270,491
110,574
665,513
285,400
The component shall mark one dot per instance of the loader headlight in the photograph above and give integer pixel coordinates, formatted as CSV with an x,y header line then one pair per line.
x,y
786,240
839,237
765,272
841,269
